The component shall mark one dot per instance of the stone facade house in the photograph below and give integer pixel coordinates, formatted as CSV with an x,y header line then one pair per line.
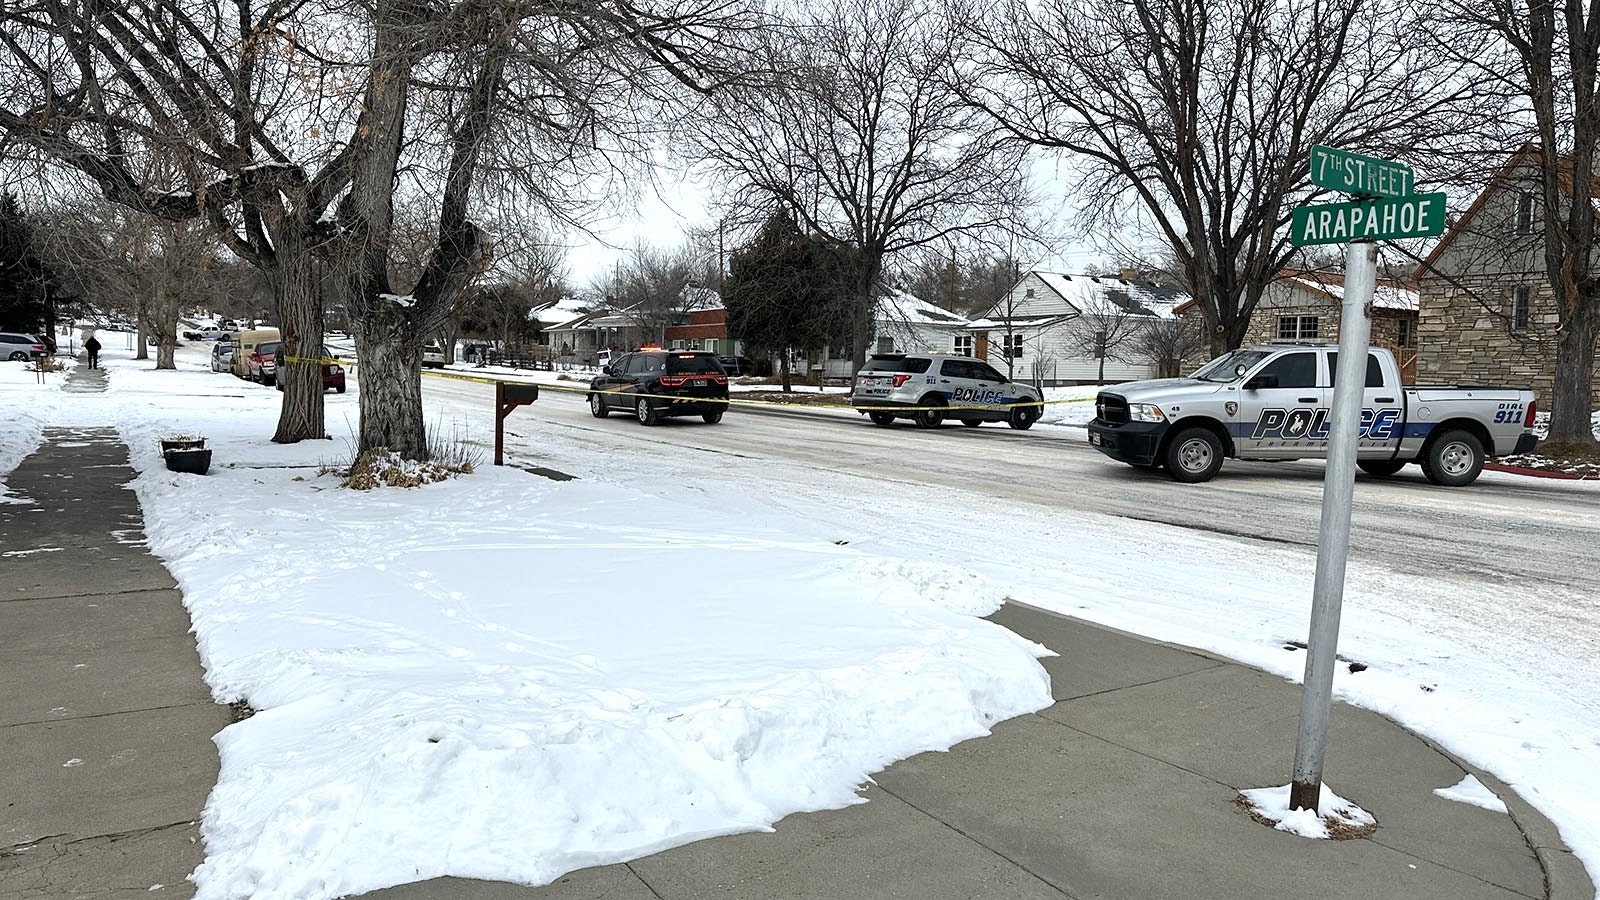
x,y
1305,305
1486,313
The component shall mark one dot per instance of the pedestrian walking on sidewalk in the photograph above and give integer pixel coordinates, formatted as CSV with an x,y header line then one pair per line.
x,y
93,348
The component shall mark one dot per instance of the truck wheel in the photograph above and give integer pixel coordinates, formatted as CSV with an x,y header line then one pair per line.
x,y
1454,459
929,418
597,406
645,412
1381,467
1023,417
881,418
1193,455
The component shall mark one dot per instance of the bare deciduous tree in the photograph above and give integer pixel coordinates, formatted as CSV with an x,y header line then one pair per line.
x,y
1169,344
1549,54
862,140
296,125
1194,118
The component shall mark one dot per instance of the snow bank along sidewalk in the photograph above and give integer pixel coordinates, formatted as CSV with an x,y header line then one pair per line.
x,y
105,718
507,677
1123,788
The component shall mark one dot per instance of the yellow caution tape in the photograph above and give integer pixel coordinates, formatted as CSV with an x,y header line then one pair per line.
x,y
321,361
546,386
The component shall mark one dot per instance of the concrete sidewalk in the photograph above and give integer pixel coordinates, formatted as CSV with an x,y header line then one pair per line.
x,y
105,722
1123,789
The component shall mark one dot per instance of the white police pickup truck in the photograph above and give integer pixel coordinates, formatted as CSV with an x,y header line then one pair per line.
x,y
1274,402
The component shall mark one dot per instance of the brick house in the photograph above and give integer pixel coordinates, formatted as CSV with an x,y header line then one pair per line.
x,y
1486,313
704,329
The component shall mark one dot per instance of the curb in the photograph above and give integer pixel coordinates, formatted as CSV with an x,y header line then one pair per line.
x,y
1536,473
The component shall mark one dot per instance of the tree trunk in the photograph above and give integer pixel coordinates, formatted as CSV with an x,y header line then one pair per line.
x,y
301,417
140,350
165,345
1102,378
783,371
1572,399
391,386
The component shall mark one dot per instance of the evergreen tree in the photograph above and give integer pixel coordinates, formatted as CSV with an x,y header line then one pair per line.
x,y
24,281
787,291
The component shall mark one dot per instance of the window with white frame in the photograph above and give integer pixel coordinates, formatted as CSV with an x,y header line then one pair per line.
x,y
885,344
1012,346
677,344
963,345
1297,328
1519,308
711,345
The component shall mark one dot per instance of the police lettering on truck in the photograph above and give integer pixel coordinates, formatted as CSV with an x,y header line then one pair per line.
x,y
1274,402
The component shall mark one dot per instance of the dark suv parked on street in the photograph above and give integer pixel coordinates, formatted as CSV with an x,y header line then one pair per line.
x,y
656,383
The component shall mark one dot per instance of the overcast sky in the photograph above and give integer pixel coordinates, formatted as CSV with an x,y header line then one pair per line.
x,y
665,212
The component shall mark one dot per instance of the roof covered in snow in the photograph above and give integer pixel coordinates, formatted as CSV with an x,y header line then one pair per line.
x,y
900,307
1388,294
1109,295
564,310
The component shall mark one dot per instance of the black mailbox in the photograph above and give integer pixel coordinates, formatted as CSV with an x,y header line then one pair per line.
x,y
521,393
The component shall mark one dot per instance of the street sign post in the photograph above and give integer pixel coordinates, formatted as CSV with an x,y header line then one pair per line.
x,y
1358,225
1365,176
1395,218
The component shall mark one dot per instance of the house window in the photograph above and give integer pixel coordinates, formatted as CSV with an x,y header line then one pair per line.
x,y
1028,294
837,353
694,344
1099,345
885,345
1525,212
1013,346
1297,328
1402,337
711,345
677,344
963,345
1519,308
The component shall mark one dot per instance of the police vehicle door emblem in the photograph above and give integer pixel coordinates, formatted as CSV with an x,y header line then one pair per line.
x,y
1231,407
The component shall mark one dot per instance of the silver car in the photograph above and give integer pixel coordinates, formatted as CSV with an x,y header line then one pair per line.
x,y
222,356
14,346
928,388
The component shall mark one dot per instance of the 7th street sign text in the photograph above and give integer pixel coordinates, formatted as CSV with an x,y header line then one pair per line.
x,y
1357,174
1419,215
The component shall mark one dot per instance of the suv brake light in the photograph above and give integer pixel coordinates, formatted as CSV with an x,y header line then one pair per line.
x,y
901,379
1533,410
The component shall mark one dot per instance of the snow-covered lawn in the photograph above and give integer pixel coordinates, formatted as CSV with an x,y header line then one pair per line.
x,y
506,677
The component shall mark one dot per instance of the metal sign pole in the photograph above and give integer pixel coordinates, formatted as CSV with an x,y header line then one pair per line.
x,y
1333,538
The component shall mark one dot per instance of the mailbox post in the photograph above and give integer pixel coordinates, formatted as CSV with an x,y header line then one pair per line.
x,y
508,396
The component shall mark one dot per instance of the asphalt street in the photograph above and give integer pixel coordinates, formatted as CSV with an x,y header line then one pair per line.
x,y
1501,530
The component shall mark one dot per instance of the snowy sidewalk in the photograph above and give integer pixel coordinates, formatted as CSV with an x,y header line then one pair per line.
x,y
105,722
1123,789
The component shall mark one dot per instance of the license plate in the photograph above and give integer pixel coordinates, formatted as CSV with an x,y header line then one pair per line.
x,y
699,382
1094,439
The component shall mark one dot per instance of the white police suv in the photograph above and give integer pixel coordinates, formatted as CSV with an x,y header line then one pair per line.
x,y
929,388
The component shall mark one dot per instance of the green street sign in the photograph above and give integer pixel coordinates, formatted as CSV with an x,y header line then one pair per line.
x,y
1356,174
1419,215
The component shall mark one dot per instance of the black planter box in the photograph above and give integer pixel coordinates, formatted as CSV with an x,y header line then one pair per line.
x,y
195,460
168,446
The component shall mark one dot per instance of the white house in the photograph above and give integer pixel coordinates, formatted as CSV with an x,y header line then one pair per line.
x,y
903,324
1055,327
